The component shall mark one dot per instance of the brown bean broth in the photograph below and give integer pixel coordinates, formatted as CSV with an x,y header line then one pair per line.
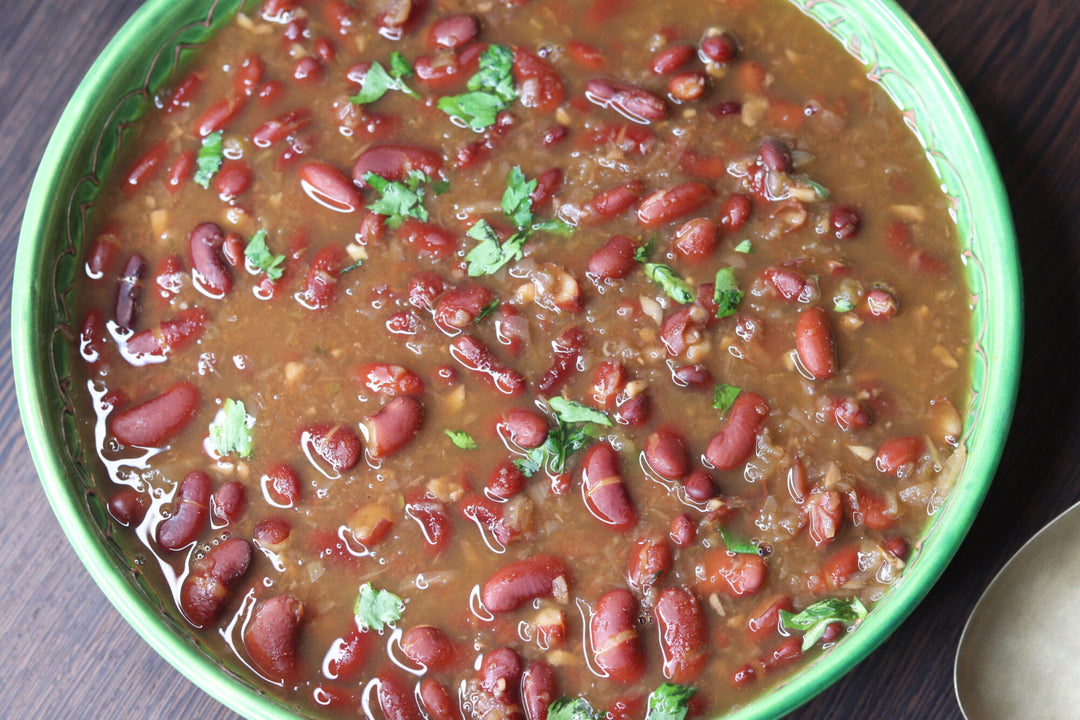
x,y
873,164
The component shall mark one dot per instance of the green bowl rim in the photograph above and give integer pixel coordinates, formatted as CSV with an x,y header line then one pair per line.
x,y
1002,381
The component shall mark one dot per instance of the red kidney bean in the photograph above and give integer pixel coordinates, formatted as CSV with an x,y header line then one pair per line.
x,y
395,18
671,59
100,256
897,455
735,212
899,239
281,127
692,376
614,639
539,688
880,303
189,517
555,135
850,413
437,701
128,506
428,646
321,281
340,16
181,96
721,48
703,167
627,138
230,501
307,70
731,574
634,412
603,488
424,290
434,521
487,514
505,481
839,567
523,581
672,203
428,239
219,115
696,239
566,359
210,584
336,444
647,563
459,307
585,56
612,261
128,291
393,426
171,335
825,513
370,523
347,656
665,452
683,531
475,356
395,162
765,618
728,108
454,31
734,443
388,379
683,328
329,187
785,653
154,421
814,343
209,271
169,277
615,200
232,249
539,85
440,72
145,167
396,700
270,93
525,428
744,676
278,11
628,100
609,380
700,487
547,184
774,154
787,283
281,486
897,547
248,75
500,678
870,510
688,86
684,634
845,221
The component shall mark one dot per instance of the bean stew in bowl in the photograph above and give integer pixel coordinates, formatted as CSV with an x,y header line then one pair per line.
x,y
521,359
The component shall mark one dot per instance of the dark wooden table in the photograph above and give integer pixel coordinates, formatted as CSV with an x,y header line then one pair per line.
x,y
64,651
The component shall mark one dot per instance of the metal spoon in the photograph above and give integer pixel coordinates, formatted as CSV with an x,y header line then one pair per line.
x,y
1018,654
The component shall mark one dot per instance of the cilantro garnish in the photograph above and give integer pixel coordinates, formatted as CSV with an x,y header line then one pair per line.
x,y
727,294
517,198
230,432
573,412
209,158
572,709
376,609
744,247
572,431
669,702
724,395
461,439
377,81
261,257
487,310
398,200
669,281
491,90
817,617
843,305
736,544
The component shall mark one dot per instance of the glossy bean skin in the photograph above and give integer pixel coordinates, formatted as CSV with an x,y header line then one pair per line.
x,y
208,269
612,261
734,443
566,355
394,426
825,514
671,59
898,455
613,201
438,702
230,501
281,485
429,647
329,187
648,562
210,584
395,698
434,521
684,634
157,420
388,379
395,162
171,335
337,445
454,31
525,580
477,357
500,678
630,101
603,488
190,514
525,428
272,636
665,452
127,506
613,637
128,292
539,688
731,574
672,203
815,344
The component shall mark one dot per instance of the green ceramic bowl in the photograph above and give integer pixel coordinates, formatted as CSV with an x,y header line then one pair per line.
x,y
144,56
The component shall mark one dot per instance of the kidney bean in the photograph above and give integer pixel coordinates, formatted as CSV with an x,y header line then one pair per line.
x,y
433,520
696,239
734,443
788,284
272,638
612,261
775,155
765,618
614,639
272,533
230,501
683,531
329,187
671,59
281,127
634,412
181,96
897,455
393,426
209,271
603,488
688,86
370,523
700,487
869,509
438,702
210,584
101,254
270,93
429,647
735,212
281,486
845,221
389,380
171,335
851,413
566,360
628,100
671,203
585,56
127,506
454,31
487,515
547,184
440,72
500,678
505,481
539,688
278,11
128,292
428,239
459,307
347,656
538,84
692,376
475,356
523,581
731,574
395,162
189,517
783,654
647,563
154,421
340,16
395,18
307,70
825,513
609,380
336,444
721,48
144,168
744,676
424,290
665,452
897,547
611,202
703,167
555,135
840,566
396,699
814,343
525,428
182,170
684,634
219,115
683,328
321,281
880,303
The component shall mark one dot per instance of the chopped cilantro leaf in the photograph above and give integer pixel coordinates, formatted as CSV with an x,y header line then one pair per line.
x,y
669,702
817,617
745,247
375,609
843,305
727,293
724,395
490,255
555,225
643,251
517,199
487,310
350,268
261,257
673,286
377,81
398,200
562,442
572,709
491,90
399,66
736,544
230,432
461,439
209,159
572,412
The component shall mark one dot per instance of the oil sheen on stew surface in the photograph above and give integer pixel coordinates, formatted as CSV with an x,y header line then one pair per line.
x,y
450,359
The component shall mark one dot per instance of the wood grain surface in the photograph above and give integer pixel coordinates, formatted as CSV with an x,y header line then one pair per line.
x,y
66,653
